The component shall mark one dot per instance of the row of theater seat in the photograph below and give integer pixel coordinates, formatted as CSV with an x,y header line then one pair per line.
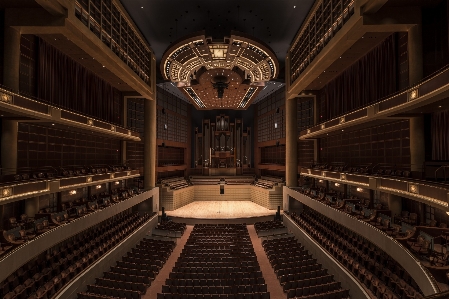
x,y
218,261
132,278
26,229
373,267
299,274
45,275
172,226
175,183
392,170
267,225
51,172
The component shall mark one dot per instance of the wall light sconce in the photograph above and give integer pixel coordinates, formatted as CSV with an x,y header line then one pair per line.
x,y
308,131
413,95
72,192
90,122
97,186
6,192
116,183
337,184
323,126
165,127
89,179
359,189
275,125
113,128
320,181
5,98
342,120
413,188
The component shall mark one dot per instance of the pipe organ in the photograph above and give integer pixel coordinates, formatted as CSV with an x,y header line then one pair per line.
x,y
222,146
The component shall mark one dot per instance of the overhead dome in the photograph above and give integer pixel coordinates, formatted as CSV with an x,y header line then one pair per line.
x,y
225,74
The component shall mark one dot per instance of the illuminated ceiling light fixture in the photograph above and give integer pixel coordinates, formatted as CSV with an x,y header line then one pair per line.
x,y
236,67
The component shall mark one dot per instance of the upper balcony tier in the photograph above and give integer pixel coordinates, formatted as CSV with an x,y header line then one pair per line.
x,y
424,97
101,32
22,107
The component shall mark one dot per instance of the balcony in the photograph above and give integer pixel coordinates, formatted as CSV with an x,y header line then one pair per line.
x,y
388,244
25,252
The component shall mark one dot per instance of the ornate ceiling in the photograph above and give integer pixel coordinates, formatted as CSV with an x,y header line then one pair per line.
x,y
225,74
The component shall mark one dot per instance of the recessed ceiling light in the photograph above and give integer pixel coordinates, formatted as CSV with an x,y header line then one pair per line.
x,y
439,106
141,7
52,124
294,6
103,65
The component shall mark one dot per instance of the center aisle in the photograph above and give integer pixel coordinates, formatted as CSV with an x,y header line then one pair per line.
x,y
159,281
273,285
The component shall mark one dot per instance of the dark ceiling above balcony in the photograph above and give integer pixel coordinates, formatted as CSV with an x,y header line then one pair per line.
x,y
275,22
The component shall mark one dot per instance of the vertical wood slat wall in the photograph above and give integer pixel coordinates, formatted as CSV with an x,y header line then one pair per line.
x,y
40,146
388,143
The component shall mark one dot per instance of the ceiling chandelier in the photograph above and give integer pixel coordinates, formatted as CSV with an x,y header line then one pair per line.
x,y
225,74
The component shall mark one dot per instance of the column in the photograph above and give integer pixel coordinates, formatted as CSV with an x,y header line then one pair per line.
x,y
150,146
11,59
125,124
415,53
9,146
291,158
31,206
395,205
123,148
417,143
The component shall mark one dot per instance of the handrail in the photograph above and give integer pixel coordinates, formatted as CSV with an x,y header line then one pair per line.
x,y
11,91
14,259
405,89
444,171
417,264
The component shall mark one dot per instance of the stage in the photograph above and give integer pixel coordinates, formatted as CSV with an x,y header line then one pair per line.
x,y
221,212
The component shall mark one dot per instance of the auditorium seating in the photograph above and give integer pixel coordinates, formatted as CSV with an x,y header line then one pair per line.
x,y
204,180
218,261
27,228
172,226
372,266
132,276
298,272
240,180
48,172
268,182
45,275
175,183
268,225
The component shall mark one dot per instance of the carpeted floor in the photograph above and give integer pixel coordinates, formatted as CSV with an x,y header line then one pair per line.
x,y
273,285
156,285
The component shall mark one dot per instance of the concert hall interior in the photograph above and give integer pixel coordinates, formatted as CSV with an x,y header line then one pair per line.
x,y
205,149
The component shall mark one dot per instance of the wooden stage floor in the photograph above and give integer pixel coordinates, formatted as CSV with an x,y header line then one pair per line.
x,y
221,210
